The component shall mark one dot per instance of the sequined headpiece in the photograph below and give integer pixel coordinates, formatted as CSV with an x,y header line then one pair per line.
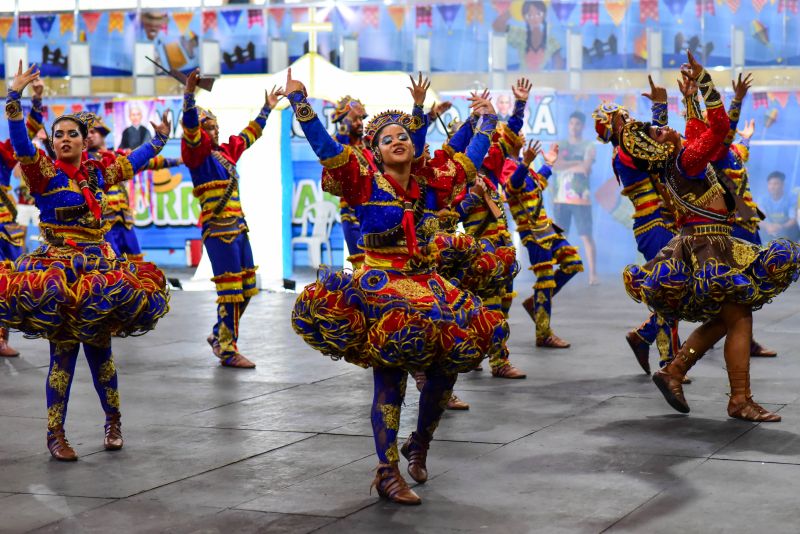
x,y
382,120
93,120
343,107
645,152
205,115
604,116
78,118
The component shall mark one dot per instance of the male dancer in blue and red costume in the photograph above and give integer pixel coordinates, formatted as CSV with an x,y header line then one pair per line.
x,y
651,220
12,235
216,184
121,236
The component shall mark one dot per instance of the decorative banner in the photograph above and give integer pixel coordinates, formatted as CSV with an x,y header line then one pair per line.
x,y
182,20
58,109
116,21
132,16
563,9
770,117
66,23
77,108
25,26
787,6
277,13
45,23
94,107
501,6
617,9
760,32
640,46
759,5
91,19
475,13
781,97
5,26
590,12
371,15
701,6
733,5
209,21
46,112
232,17
760,100
255,17
424,16
449,12
676,7
398,16
648,9
108,108
298,13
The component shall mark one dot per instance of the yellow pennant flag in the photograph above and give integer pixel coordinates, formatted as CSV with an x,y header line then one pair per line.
x,y
5,26
66,22
398,15
617,9
183,20
58,109
116,22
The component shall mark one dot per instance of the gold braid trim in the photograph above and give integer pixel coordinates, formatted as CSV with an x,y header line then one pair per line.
x,y
469,167
709,92
450,151
693,108
339,159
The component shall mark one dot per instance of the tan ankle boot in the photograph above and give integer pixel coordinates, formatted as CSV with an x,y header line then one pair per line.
x,y
669,379
741,404
113,428
6,351
415,451
59,446
391,485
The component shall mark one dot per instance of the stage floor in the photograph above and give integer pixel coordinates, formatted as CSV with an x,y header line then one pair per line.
x,y
585,444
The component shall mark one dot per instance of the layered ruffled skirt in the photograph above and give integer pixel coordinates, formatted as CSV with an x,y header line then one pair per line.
x,y
480,268
67,295
389,318
694,275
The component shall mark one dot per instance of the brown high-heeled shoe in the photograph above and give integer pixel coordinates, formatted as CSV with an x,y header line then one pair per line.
x,y
113,427
749,410
391,485
641,350
416,452
58,445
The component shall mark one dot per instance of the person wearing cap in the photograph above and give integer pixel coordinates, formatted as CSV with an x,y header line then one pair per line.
x,y
225,233
704,274
396,314
73,289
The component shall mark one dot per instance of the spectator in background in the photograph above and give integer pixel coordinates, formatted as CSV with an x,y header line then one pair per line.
x,y
780,209
134,135
572,197
503,107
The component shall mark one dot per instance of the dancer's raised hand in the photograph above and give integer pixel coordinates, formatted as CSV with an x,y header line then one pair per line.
x,y
164,128
22,79
522,89
657,93
741,86
551,156
271,98
419,89
533,149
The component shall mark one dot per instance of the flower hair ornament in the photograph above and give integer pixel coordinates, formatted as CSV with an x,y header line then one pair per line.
x,y
645,152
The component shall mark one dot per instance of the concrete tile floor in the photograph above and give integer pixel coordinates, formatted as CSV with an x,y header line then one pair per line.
x,y
585,444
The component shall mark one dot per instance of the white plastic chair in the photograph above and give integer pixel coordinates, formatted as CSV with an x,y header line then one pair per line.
x,y
322,215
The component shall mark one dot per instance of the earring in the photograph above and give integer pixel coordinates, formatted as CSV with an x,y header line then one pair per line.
x,y
377,157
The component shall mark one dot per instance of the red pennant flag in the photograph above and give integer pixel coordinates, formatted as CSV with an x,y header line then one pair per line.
x,y
759,5
787,6
590,12
210,21
371,15
424,16
298,13
255,17
648,9
701,6
24,26
91,20
277,13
